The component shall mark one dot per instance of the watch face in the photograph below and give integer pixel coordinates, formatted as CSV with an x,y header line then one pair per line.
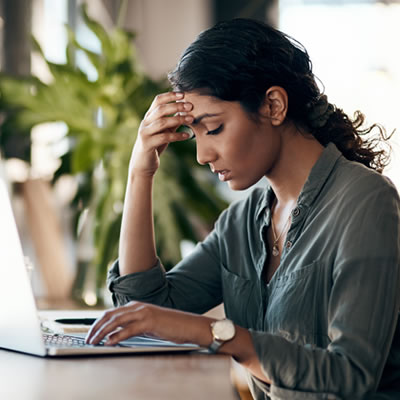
x,y
223,330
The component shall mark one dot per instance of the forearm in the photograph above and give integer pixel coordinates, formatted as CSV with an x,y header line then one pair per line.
x,y
242,349
137,251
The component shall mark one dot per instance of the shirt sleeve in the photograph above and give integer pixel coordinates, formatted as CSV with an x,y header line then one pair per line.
x,y
362,313
193,285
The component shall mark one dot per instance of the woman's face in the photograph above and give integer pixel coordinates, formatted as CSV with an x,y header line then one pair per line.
x,y
236,147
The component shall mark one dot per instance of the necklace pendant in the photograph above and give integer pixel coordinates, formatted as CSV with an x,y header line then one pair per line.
x,y
275,250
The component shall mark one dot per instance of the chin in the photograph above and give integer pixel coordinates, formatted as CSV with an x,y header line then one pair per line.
x,y
238,186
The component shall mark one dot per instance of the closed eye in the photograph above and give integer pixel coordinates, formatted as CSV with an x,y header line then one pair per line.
x,y
213,132
216,131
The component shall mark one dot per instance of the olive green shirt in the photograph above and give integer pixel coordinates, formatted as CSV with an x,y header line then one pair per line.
x,y
326,325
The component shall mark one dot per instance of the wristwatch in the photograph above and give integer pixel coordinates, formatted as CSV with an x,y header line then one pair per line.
x,y
222,330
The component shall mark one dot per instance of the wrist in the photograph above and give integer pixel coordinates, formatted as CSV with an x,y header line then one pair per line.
x,y
136,174
222,331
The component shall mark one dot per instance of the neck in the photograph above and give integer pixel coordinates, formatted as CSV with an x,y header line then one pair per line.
x,y
298,155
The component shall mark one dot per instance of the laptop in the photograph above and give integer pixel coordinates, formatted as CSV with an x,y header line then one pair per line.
x,y
21,328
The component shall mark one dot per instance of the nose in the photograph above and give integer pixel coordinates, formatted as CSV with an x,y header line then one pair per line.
x,y
205,152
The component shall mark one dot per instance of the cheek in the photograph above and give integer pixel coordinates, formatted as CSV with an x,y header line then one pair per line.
x,y
259,155
239,143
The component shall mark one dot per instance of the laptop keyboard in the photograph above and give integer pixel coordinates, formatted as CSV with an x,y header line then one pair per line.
x,y
56,340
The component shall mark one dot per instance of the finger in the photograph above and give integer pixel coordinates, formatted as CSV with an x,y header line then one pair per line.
x,y
97,325
160,141
186,129
118,321
164,125
105,318
162,133
167,110
125,315
164,98
135,328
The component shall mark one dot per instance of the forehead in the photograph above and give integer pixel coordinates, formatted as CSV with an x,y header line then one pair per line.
x,y
209,104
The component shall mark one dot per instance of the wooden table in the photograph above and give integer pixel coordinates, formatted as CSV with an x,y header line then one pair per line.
x,y
150,377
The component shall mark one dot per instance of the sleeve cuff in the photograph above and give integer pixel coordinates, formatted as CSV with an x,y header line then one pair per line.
x,y
139,286
278,393
271,353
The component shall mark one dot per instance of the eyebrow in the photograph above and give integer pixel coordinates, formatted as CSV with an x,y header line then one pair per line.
x,y
200,117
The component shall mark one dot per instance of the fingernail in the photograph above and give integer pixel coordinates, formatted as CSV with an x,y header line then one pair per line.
x,y
188,118
92,340
187,106
179,95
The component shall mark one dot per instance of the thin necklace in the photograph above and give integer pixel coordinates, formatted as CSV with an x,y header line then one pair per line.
x,y
275,247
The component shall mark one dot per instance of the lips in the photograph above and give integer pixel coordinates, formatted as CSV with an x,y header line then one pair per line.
x,y
223,174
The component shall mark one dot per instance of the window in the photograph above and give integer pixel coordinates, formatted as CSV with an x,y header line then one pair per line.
x,y
352,46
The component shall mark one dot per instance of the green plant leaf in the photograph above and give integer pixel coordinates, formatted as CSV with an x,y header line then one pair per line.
x,y
98,30
82,159
103,118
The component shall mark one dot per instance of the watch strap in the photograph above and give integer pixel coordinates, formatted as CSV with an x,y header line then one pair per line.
x,y
215,345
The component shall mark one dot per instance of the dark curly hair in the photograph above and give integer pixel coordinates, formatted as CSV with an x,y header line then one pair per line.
x,y
238,60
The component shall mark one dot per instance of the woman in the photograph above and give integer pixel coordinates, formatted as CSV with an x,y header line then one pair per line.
x,y
307,269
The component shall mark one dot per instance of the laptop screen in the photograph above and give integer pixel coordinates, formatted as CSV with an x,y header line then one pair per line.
x,y
19,325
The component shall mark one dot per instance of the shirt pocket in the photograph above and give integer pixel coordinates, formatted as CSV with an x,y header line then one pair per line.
x,y
239,301
291,310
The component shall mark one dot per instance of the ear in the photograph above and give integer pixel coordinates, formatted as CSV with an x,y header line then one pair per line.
x,y
275,105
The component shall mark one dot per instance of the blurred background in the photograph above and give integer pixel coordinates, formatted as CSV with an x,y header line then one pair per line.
x,y
76,79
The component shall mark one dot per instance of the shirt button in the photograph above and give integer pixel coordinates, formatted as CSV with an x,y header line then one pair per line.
x,y
296,212
288,244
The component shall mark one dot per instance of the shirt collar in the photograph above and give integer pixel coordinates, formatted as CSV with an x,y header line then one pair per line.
x,y
265,203
318,176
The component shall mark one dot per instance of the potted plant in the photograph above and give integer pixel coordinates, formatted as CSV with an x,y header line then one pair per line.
x,y
103,117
